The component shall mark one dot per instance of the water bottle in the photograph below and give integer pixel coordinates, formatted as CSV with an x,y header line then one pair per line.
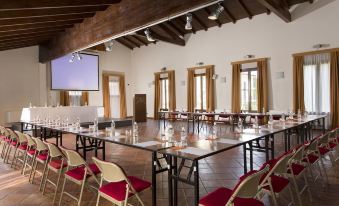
x,y
256,122
112,128
214,132
299,115
240,126
96,125
183,137
78,123
135,129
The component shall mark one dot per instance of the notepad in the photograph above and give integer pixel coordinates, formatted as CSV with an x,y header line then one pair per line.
x,y
229,141
147,144
195,151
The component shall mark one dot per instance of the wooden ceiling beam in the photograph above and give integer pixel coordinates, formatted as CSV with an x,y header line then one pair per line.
x,y
113,22
33,20
49,35
217,21
123,43
244,7
283,13
4,48
65,23
158,37
12,14
28,41
130,42
176,28
201,23
41,4
228,13
169,31
139,40
30,32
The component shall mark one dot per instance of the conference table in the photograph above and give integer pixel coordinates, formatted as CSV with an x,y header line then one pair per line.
x,y
198,147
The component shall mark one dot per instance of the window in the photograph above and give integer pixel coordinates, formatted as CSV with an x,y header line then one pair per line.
x,y
114,92
164,98
75,98
200,92
249,99
317,83
114,88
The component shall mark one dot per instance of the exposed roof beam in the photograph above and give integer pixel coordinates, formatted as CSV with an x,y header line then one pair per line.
x,y
10,14
176,28
131,42
199,21
228,13
217,21
8,38
27,32
30,4
249,14
29,41
66,24
139,40
33,20
283,13
158,37
3,48
168,31
123,43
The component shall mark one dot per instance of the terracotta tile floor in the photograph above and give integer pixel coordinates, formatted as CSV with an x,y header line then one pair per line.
x,y
220,170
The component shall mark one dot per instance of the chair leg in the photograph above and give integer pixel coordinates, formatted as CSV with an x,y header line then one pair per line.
x,y
9,149
323,166
57,185
139,199
45,182
81,191
98,199
332,159
14,156
32,174
308,187
43,175
297,190
24,164
62,191
291,194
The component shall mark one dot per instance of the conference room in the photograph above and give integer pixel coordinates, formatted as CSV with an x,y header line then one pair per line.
x,y
169,103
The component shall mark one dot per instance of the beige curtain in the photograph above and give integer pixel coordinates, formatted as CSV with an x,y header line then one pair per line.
x,y
210,91
172,95
106,96
298,83
334,88
262,86
122,91
156,95
190,90
236,88
64,98
84,98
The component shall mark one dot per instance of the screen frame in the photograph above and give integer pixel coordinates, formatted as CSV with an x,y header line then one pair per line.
x,y
78,89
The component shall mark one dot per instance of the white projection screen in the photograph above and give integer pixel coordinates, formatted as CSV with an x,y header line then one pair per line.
x,y
79,75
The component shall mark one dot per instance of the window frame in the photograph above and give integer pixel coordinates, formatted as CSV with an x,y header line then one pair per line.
x,y
248,71
166,93
200,75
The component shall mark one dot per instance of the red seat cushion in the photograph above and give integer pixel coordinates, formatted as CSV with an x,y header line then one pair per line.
x,y
311,158
2,137
117,190
31,152
278,183
323,150
220,196
23,147
42,156
297,169
57,164
332,145
14,143
7,140
79,172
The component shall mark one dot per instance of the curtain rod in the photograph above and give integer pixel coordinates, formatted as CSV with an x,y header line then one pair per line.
x,y
249,61
315,52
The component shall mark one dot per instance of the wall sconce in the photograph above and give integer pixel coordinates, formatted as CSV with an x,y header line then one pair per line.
x,y
200,63
249,56
223,80
280,75
215,76
320,46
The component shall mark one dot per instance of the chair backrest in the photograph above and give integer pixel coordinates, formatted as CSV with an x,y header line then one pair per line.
x,y
324,139
30,141
249,187
298,155
22,138
74,159
280,167
312,147
53,150
40,145
110,171
12,135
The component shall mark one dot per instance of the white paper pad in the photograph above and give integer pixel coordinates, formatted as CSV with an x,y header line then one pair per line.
x,y
195,151
147,144
229,141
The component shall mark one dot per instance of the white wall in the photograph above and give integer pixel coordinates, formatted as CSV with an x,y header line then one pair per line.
x,y
20,81
263,36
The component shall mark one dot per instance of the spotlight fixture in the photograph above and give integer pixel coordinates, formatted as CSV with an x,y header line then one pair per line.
x,y
215,15
320,46
79,57
109,45
188,25
71,60
148,35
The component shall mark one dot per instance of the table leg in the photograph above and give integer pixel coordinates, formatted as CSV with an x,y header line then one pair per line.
x,y
84,147
170,185
272,146
245,158
175,181
193,122
285,140
22,127
96,148
266,149
324,130
104,150
251,155
60,138
196,182
154,179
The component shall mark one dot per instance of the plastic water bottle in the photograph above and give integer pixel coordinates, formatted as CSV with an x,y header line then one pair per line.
x,y
299,115
183,137
135,129
240,126
96,125
256,122
112,128
214,132
78,123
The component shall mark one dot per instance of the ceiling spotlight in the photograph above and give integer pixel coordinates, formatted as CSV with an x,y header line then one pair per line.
x,y
71,60
148,35
109,45
188,25
79,57
215,15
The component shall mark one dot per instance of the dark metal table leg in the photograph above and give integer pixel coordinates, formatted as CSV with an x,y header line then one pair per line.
x,y
175,181
170,185
245,158
272,146
154,179
251,155
104,150
266,148
196,182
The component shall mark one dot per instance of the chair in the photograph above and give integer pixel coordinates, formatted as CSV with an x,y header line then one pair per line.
x,y
244,194
30,154
4,139
40,156
56,163
20,149
275,181
120,188
11,142
77,172
325,147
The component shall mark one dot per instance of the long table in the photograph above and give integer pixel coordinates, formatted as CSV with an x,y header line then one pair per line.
x,y
197,149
